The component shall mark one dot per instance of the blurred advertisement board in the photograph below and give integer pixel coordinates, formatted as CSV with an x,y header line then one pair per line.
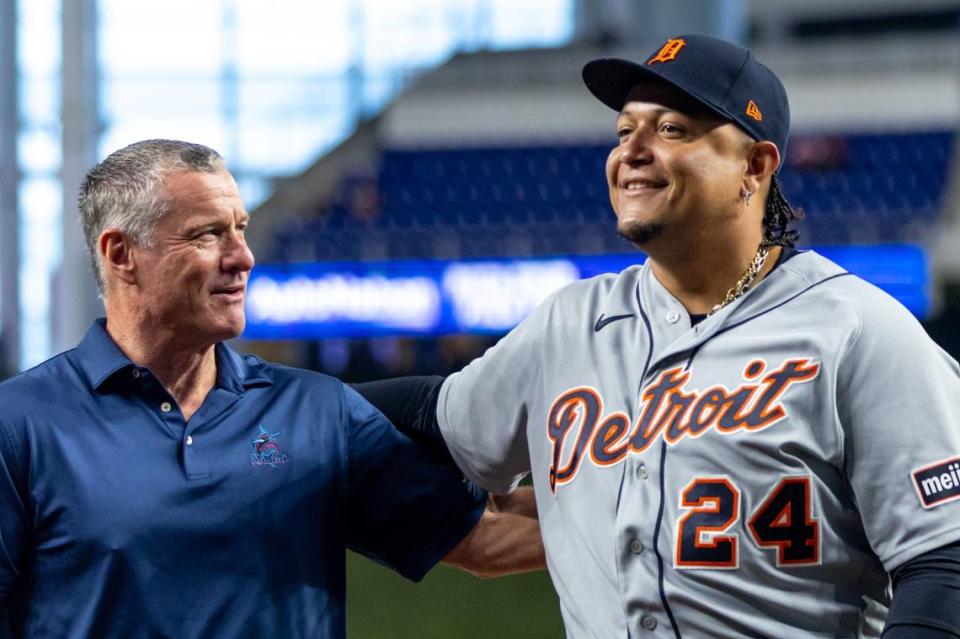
x,y
360,299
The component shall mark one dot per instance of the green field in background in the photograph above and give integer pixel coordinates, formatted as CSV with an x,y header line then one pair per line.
x,y
448,604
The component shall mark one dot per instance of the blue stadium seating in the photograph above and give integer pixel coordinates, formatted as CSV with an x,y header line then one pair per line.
x,y
553,199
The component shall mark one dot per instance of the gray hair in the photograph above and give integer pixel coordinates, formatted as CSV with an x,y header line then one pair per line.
x,y
124,191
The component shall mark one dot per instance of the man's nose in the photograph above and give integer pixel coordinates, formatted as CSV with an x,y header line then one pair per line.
x,y
636,148
238,256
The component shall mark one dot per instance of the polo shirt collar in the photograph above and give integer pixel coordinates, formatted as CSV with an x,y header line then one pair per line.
x,y
101,359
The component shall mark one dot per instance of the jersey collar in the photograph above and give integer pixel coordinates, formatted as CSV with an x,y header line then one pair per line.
x,y
621,301
797,273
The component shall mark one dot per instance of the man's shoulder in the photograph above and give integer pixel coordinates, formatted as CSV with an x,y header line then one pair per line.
x,y
822,273
871,314
41,391
291,378
313,392
44,379
596,289
815,274
603,283
810,267
568,309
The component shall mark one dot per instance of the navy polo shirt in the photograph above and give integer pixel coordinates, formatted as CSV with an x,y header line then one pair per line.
x,y
118,519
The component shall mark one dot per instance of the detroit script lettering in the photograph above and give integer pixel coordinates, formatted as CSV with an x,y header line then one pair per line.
x,y
577,428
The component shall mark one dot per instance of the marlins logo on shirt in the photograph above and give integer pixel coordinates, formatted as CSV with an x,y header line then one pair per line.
x,y
266,450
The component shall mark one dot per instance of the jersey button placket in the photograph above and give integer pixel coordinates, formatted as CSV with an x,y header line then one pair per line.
x,y
648,622
194,457
193,464
636,546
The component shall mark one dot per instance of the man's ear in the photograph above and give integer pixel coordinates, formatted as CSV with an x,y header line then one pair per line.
x,y
763,160
117,256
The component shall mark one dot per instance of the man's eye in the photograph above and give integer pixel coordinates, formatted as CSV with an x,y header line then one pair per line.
x,y
623,133
670,129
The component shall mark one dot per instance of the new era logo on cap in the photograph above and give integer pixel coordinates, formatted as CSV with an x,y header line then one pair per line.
x,y
754,111
938,483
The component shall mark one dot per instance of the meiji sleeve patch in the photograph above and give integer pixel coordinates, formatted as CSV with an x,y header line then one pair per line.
x,y
938,483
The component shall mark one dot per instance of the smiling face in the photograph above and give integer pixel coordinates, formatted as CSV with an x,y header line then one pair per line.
x,y
193,276
678,168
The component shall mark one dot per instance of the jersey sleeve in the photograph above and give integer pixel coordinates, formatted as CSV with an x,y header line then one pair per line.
x,y
898,401
483,409
13,518
405,509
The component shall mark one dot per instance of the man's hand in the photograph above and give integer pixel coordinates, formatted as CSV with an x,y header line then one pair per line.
x,y
504,541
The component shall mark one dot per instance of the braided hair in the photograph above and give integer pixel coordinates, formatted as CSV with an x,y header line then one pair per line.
x,y
777,217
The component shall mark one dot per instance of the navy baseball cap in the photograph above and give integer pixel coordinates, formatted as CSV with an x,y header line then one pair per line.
x,y
726,78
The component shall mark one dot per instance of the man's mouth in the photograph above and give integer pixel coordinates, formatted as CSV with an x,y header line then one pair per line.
x,y
231,292
638,184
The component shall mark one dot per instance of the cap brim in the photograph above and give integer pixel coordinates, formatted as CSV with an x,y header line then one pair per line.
x,y
612,79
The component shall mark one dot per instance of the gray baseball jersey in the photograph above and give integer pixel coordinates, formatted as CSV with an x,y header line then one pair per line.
x,y
755,475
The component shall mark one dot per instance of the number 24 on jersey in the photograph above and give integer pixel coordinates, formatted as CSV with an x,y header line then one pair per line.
x,y
783,522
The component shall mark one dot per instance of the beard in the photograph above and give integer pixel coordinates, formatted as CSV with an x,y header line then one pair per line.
x,y
639,233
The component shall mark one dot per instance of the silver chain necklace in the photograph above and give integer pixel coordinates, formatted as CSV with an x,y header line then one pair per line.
x,y
746,280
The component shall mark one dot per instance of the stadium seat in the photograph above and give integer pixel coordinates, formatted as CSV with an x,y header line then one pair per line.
x,y
553,199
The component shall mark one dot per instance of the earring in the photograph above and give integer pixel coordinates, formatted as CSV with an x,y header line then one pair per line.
x,y
746,195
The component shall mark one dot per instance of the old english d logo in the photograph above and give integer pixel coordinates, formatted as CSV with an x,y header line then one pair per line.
x,y
754,111
668,51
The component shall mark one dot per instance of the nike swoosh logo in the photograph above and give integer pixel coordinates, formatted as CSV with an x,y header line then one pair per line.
x,y
603,321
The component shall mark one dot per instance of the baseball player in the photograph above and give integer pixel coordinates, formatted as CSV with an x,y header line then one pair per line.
x,y
737,438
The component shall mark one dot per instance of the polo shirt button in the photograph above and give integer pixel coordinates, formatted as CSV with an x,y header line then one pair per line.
x,y
136,373
642,471
673,317
636,547
165,407
648,622
189,440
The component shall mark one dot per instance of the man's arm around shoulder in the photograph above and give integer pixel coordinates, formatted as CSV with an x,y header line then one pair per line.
x,y
506,540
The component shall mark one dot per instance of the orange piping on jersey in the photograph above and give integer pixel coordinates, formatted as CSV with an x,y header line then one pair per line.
x,y
734,416
712,402
754,369
766,412
576,410
653,398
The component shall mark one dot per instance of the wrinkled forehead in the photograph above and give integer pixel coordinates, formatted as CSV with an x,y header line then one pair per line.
x,y
191,194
